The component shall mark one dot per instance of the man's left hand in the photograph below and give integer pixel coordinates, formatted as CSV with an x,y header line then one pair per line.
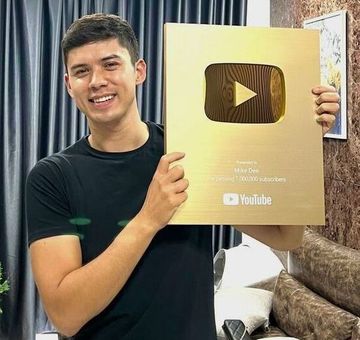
x,y
326,106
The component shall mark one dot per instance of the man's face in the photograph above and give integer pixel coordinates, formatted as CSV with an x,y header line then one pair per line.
x,y
102,81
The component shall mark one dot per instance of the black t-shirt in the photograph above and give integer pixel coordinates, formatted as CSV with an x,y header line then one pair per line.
x,y
93,194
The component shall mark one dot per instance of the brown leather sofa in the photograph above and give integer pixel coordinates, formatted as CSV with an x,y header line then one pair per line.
x,y
318,296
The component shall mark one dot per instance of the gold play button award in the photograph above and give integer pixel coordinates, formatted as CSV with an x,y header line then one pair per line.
x,y
230,95
238,102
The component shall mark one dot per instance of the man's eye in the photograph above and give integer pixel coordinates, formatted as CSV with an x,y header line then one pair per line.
x,y
81,72
111,65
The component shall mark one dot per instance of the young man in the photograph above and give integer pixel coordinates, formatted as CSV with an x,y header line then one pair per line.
x,y
105,262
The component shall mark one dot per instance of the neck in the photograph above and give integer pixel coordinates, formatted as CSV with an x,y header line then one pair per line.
x,y
126,136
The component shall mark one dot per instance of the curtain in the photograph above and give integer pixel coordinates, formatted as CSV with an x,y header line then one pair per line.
x,y
38,118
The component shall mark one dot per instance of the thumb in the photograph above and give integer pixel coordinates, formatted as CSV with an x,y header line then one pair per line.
x,y
166,160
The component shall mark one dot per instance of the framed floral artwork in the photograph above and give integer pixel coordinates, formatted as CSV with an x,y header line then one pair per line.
x,y
333,62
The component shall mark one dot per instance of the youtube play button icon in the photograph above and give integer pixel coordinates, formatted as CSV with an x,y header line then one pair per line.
x,y
244,93
230,198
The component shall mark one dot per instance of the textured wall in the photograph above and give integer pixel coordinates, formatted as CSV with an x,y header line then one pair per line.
x,y
341,158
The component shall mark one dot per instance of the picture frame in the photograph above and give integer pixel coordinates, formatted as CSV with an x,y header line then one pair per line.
x,y
333,62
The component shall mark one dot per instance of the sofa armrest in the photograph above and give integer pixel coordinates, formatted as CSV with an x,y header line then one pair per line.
x,y
329,269
302,313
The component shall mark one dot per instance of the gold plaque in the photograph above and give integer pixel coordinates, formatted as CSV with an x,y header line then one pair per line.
x,y
238,102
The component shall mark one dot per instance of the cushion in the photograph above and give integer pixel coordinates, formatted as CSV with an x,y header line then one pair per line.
x,y
302,313
267,284
244,266
250,305
329,269
356,331
268,332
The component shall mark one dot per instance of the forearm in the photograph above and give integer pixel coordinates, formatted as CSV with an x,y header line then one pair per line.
x,y
277,237
72,293
85,292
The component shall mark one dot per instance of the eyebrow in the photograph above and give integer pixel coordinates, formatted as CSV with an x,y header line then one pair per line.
x,y
109,57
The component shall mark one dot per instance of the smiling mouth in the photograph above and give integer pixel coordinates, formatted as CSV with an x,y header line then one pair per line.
x,y
102,99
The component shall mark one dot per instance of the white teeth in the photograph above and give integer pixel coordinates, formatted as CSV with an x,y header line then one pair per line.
x,y
103,99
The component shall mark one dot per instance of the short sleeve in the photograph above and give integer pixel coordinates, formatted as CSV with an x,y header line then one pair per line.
x,y
47,204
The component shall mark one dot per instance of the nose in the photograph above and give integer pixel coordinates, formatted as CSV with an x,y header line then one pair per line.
x,y
98,79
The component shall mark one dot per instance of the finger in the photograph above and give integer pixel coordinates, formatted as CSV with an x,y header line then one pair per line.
x,y
326,118
330,97
181,198
167,159
181,185
330,108
176,173
323,88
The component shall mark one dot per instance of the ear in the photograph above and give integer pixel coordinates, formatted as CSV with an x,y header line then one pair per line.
x,y
68,86
140,69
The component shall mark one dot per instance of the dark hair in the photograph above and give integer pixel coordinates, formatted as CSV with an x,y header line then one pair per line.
x,y
97,27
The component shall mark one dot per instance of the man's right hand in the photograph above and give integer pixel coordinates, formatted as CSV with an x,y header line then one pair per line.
x,y
166,192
